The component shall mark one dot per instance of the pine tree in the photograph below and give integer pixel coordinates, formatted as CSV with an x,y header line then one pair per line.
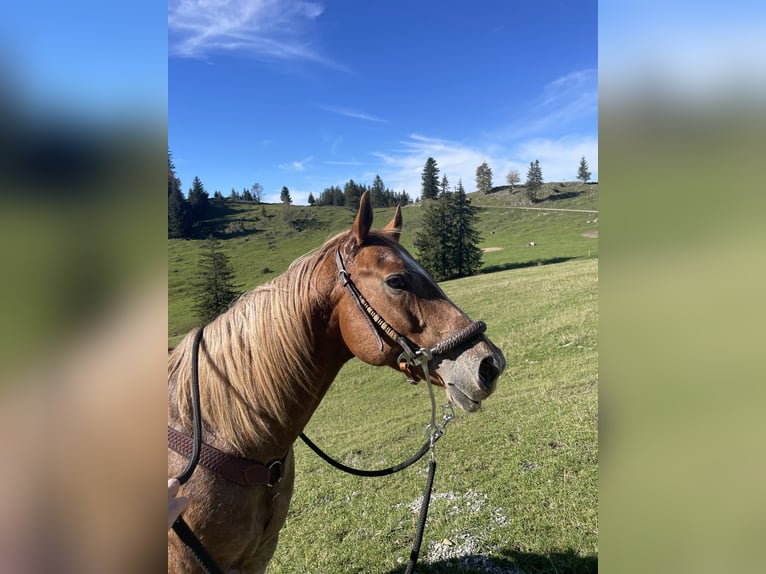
x,y
214,289
444,185
448,246
484,178
179,211
378,193
534,180
467,258
311,199
284,196
198,199
430,178
352,193
432,242
337,196
583,174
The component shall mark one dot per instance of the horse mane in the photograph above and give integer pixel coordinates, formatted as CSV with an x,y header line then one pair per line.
x,y
254,358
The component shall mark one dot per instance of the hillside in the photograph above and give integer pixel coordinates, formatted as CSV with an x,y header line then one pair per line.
x,y
262,242
517,484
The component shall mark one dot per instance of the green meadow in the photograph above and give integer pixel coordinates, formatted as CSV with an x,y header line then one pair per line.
x,y
516,483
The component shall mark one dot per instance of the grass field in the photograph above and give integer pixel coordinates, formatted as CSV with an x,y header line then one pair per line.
x,y
516,483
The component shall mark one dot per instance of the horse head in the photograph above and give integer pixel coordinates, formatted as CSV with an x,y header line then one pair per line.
x,y
393,303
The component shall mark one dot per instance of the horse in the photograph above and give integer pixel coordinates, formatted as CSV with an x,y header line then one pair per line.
x,y
265,364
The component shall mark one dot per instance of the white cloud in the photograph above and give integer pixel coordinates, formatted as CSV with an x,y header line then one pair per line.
x,y
562,103
296,165
269,29
355,114
343,163
559,159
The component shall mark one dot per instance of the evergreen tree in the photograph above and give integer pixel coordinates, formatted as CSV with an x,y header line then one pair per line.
x,y
484,178
378,193
467,255
448,245
430,178
534,180
198,199
352,193
433,241
287,212
179,211
311,199
214,289
337,196
444,185
583,174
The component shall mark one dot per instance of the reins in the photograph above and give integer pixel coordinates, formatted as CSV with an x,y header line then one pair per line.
x,y
408,361
182,530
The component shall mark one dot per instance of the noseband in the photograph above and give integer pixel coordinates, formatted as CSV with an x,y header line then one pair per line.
x,y
409,358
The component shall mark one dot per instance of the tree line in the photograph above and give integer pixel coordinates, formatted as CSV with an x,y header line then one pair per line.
x,y
447,241
534,181
187,215
380,195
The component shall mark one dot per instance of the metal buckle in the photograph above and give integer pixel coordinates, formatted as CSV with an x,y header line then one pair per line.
x,y
275,472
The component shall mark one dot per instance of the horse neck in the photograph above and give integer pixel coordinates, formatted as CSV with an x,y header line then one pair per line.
x,y
265,365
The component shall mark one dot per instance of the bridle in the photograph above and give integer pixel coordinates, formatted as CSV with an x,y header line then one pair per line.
x,y
411,358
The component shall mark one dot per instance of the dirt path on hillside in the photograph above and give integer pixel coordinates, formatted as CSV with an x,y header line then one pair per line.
x,y
537,208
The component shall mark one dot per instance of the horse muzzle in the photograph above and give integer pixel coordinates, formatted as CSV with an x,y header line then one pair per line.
x,y
472,376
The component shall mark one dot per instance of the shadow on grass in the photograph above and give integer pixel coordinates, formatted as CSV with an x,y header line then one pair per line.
x,y
558,194
536,263
511,562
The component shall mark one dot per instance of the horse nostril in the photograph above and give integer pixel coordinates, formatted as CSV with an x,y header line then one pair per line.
x,y
488,373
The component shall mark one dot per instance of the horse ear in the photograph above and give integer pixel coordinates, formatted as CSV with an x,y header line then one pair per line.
x,y
394,226
363,221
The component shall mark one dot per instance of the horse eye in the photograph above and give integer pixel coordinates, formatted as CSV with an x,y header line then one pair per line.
x,y
395,282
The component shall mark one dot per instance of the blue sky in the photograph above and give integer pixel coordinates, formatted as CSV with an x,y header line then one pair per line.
x,y
312,94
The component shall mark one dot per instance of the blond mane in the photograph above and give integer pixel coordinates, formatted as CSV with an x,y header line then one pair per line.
x,y
254,358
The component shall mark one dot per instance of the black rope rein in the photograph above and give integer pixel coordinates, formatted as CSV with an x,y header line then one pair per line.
x,y
182,530
367,473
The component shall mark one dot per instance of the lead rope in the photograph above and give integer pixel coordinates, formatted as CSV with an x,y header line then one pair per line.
x,y
433,432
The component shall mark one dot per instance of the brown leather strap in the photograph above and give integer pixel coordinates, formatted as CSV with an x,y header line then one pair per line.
x,y
241,471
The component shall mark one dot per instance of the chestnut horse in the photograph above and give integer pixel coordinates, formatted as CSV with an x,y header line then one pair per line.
x,y
265,364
